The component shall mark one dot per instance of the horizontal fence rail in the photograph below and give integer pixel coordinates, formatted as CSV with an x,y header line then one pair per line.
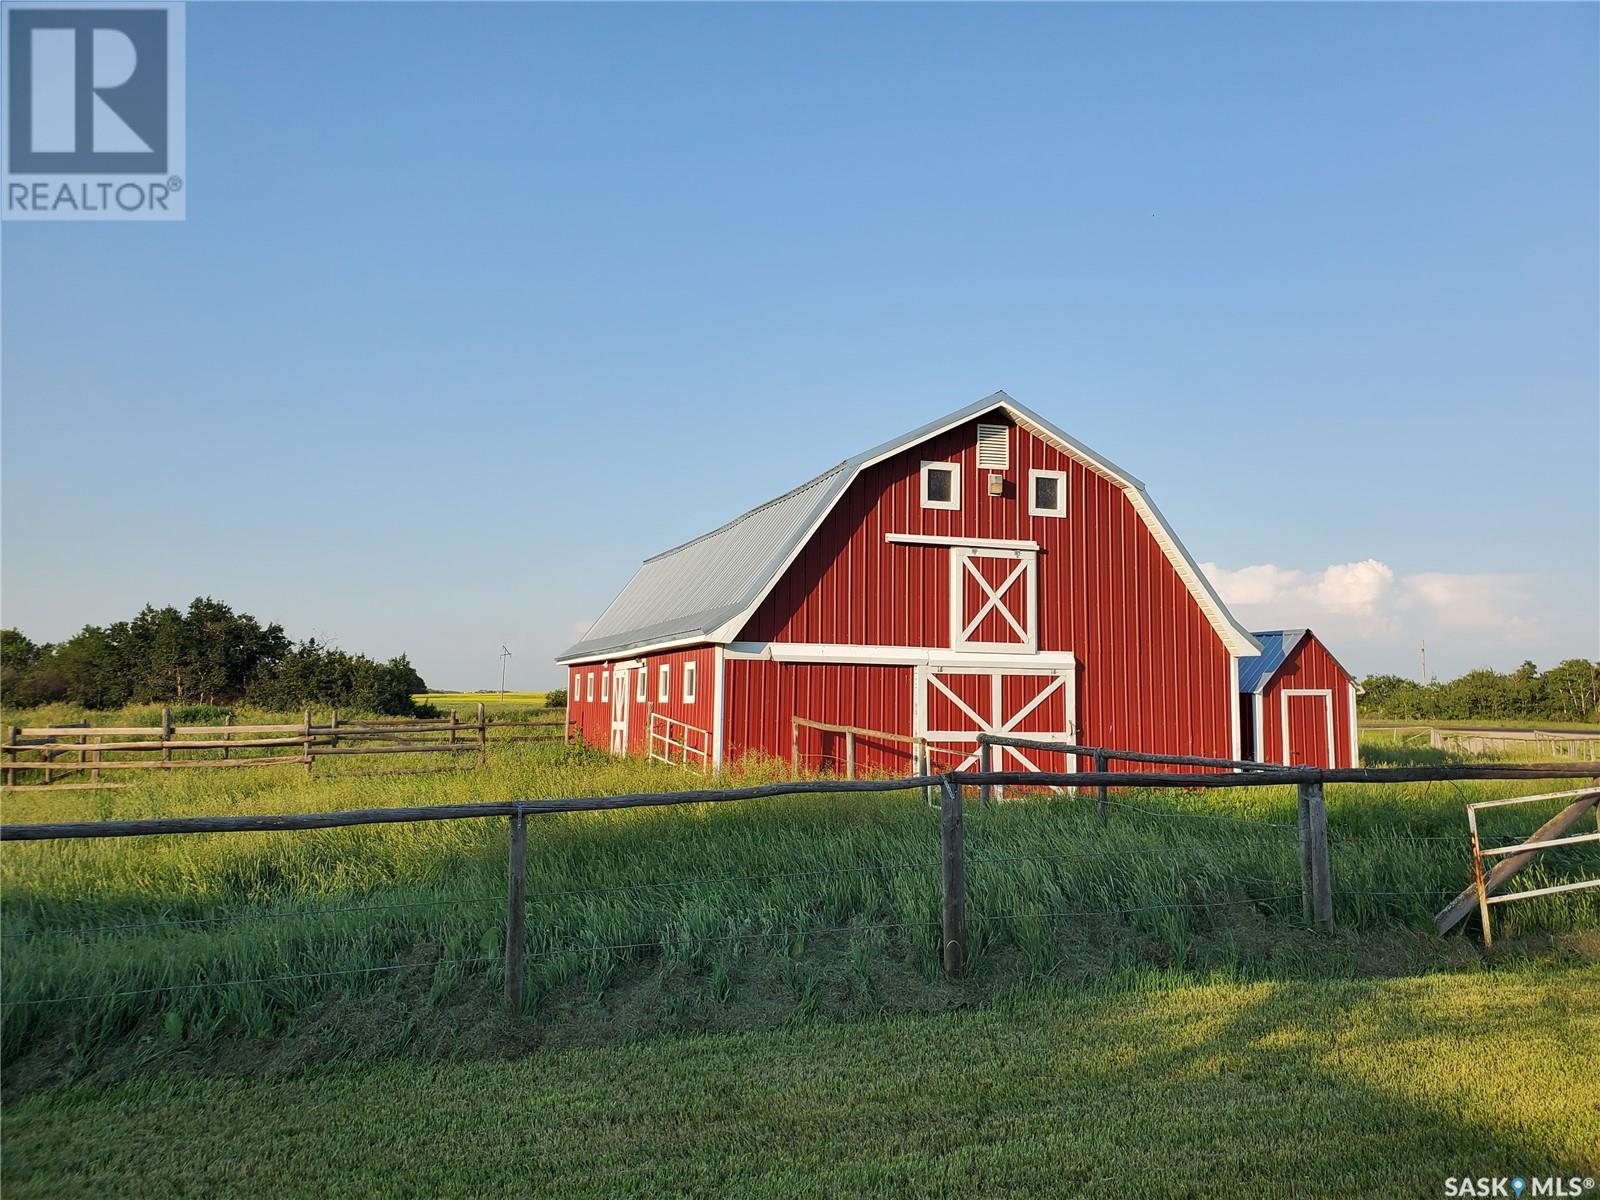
x,y
1311,829
269,822
86,752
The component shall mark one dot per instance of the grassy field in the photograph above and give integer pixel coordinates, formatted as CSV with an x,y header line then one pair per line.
x,y
491,699
1147,1086
120,956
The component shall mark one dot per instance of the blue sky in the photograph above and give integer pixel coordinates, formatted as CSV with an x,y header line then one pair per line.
x,y
477,306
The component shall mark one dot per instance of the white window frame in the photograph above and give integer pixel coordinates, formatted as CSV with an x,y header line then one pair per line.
x,y
1028,580
689,682
664,689
955,484
1061,494
605,687
588,689
641,685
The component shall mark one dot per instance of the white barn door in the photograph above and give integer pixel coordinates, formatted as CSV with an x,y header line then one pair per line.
x,y
953,705
619,711
994,600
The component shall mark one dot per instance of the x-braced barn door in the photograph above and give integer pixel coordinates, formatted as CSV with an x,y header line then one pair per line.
x,y
619,711
993,600
953,705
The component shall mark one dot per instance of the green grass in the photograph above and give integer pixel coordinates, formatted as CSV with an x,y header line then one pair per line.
x,y
490,699
1161,1088
713,916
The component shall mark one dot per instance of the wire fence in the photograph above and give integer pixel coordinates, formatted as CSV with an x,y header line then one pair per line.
x,y
884,902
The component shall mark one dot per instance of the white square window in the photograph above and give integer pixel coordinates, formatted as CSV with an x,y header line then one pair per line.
x,y
688,682
1047,493
588,691
664,692
639,685
605,687
941,485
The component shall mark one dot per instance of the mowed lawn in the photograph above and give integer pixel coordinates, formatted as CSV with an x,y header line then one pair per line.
x,y
1308,1088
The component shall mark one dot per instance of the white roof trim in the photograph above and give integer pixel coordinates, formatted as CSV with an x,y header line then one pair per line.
x,y
1233,635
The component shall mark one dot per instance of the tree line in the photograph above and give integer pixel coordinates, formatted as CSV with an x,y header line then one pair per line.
x,y
208,654
1568,692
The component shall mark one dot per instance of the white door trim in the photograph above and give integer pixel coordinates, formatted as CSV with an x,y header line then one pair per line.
x,y
894,656
1025,575
1327,700
931,539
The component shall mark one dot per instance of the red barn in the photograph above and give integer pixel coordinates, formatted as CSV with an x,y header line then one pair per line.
x,y
986,572
1297,704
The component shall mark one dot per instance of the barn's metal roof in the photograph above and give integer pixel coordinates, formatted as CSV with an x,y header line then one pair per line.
x,y
1276,645
689,591
695,592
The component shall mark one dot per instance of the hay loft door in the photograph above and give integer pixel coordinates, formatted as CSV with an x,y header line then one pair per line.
x,y
994,600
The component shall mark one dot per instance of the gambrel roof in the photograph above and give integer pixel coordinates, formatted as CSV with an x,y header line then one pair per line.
x,y
705,590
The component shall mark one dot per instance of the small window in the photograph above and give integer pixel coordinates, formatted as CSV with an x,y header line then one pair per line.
x,y
688,682
639,685
1047,493
664,692
605,687
588,691
941,485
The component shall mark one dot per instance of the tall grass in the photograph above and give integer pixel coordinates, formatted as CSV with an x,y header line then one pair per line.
x,y
177,938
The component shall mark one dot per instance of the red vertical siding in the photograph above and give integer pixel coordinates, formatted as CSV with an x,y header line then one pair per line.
x,y
1152,673
593,718
764,695
1310,667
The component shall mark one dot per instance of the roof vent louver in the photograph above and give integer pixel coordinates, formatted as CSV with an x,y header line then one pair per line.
x,y
994,446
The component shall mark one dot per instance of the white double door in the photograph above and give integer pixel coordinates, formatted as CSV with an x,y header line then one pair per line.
x,y
954,704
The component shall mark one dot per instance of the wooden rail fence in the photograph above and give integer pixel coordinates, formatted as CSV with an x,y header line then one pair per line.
x,y
1317,889
82,749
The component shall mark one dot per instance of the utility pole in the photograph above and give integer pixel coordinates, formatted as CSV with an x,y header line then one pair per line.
x,y
504,654
1422,664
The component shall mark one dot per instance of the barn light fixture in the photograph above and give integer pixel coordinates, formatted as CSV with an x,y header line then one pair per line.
x,y
997,484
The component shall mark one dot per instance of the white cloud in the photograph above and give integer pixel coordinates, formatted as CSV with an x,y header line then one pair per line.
x,y
1471,601
1367,599
1358,589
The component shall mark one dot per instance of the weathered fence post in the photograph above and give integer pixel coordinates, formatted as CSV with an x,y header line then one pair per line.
x,y
985,765
310,758
794,747
1104,800
333,727
13,737
483,737
516,883
849,755
1316,874
166,734
952,842
454,721
226,737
